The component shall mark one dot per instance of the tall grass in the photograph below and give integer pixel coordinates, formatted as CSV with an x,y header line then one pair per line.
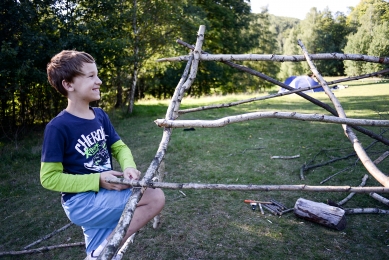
x,y
217,224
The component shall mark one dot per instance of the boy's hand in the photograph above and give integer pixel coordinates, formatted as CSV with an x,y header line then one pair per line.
x,y
131,173
111,186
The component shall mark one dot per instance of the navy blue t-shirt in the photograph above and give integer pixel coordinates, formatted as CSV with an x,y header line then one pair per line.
x,y
83,146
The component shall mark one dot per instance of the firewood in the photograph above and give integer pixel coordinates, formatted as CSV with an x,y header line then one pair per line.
x,y
321,213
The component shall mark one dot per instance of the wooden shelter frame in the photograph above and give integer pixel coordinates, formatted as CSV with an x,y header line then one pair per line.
x,y
154,175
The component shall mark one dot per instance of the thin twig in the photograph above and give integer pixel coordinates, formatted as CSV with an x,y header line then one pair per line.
x,y
381,158
363,183
310,167
41,249
259,148
285,157
48,236
332,176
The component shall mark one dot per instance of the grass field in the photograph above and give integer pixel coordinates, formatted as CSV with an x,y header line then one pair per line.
x,y
208,224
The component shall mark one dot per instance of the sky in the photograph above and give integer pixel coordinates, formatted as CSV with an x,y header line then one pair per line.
x,y
299,8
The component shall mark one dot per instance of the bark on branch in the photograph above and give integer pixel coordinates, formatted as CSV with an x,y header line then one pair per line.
x,y
281,58
249,187
257,115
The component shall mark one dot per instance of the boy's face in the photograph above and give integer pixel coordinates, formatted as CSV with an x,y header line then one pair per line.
x,y
86,88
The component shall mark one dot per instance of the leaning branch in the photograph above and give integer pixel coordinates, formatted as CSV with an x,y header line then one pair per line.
x,y
250,187
363,183
128,212
366,161
289,92
257,115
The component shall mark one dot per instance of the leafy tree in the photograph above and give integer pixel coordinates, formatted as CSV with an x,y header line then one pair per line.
x,y
321,32
226,22
26,37
371,36
267,44
281,26
291,48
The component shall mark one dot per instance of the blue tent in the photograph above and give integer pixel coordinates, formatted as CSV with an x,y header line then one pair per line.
x,y
298,82
289,80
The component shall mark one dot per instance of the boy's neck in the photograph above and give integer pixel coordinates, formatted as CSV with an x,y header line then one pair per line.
x,y
80,110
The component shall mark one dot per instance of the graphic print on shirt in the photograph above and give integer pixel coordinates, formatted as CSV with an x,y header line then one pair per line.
x,y
94,148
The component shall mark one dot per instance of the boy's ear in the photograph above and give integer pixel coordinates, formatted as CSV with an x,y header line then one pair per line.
x,y
67,85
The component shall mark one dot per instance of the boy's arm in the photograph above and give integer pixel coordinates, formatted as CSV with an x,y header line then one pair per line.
x,y
123,155
53,178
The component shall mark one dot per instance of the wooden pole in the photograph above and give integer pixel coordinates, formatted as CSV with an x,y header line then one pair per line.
x,y
259,115
282,58
249,187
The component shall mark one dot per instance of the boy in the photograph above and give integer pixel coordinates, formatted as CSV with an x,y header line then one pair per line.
x,y
77,156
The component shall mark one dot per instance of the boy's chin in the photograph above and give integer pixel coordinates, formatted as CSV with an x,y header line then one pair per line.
x,y
94,99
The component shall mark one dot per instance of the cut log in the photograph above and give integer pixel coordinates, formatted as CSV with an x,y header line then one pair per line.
x,y
321,213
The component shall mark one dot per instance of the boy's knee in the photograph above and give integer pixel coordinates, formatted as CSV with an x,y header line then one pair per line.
x,y
155,196
160,196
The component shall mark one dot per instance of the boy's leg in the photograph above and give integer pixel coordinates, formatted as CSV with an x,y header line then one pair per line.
x,y
99,213
150,205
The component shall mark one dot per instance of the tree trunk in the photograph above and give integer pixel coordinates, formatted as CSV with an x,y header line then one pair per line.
x,y
133,88
326,215
119,92
136,53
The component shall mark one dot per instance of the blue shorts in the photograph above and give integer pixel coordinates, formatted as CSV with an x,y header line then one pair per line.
x,y
97,213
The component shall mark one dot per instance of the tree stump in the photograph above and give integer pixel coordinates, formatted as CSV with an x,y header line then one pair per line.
x,y
329,216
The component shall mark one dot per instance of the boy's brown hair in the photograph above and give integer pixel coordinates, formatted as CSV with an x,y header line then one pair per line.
x,y
66,65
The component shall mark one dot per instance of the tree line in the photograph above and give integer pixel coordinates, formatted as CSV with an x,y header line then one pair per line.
x,y
126,37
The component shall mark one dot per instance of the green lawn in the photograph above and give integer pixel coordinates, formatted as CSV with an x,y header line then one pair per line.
x,y
217,224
